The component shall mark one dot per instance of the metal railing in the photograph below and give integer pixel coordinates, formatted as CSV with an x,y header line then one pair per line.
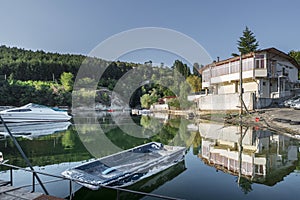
x,y
23,154
71,181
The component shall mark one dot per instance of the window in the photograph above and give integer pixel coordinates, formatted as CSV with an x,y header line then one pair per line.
x,y
259,63
20,110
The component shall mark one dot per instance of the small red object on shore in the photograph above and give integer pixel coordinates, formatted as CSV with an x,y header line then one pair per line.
x,y
256,119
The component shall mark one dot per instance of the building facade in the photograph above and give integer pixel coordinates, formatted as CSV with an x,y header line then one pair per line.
x,y
267,74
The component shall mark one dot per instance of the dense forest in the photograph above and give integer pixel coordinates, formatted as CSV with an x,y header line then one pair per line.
x,y
24,65
47,78
40,77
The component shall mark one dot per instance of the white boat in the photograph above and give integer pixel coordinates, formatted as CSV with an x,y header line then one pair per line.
x,y
126,167
34,113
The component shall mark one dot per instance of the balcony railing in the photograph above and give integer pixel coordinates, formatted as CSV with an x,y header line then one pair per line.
x,y
230,71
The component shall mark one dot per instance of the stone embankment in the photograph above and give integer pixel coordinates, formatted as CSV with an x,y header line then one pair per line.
x,y
284,119
281,120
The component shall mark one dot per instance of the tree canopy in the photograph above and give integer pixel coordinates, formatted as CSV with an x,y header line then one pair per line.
x,y
48,78
183,69
295,55
247,42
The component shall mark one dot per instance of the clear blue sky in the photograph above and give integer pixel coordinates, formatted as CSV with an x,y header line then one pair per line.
x,y
74,26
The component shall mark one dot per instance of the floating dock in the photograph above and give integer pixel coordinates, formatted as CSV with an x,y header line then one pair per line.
x,y
8,192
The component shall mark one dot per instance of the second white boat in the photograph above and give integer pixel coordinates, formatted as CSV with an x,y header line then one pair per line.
x,y
34,113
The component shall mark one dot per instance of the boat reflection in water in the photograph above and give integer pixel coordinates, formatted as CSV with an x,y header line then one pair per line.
x,y
249,153
34,130
146,185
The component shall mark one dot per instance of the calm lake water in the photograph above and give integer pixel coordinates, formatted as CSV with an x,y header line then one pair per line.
x,y
222,162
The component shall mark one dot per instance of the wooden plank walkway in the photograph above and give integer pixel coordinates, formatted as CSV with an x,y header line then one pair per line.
x,y
8,192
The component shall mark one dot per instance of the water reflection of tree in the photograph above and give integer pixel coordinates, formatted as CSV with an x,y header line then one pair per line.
x,y
159,132
68,140
48,149
197,143
184,137
151,125
174,132
245,185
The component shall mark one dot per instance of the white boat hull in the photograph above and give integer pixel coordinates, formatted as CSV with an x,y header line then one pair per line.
x,y
34,113
127,167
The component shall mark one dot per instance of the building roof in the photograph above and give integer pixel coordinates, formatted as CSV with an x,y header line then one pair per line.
x,y
282,54
268,50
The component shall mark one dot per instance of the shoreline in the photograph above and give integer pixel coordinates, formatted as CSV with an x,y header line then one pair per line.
x,y
274,119
262,119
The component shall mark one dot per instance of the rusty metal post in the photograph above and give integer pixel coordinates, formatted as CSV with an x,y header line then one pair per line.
x,y
33,181
71,190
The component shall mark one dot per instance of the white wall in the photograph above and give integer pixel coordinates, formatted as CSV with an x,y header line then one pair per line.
x,y
159,107
230,88
224,101
226,89
194,97
250,86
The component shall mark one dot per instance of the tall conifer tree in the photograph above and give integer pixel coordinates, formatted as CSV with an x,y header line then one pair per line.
x,y
247,43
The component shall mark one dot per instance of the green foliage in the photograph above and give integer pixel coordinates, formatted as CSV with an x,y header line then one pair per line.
x,y
25,65
197,143
17,93
151,125
196,68
84,96
66,80
148,99
183,69
103,97
195,83
296,56
184,91
68,140
247,43
32,77
174,103
245,185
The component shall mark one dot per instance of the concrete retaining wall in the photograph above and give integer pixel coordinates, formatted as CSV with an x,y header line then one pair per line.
x,y
225,101
263,102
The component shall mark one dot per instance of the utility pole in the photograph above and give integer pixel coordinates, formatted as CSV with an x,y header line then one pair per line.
x,y
241,87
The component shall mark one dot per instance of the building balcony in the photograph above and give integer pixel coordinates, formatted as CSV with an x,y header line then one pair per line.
x,y
254,73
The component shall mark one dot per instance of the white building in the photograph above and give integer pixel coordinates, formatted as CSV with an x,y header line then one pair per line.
x,y
267,74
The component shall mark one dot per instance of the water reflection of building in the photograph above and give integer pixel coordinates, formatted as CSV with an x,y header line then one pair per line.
x,y
264,157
